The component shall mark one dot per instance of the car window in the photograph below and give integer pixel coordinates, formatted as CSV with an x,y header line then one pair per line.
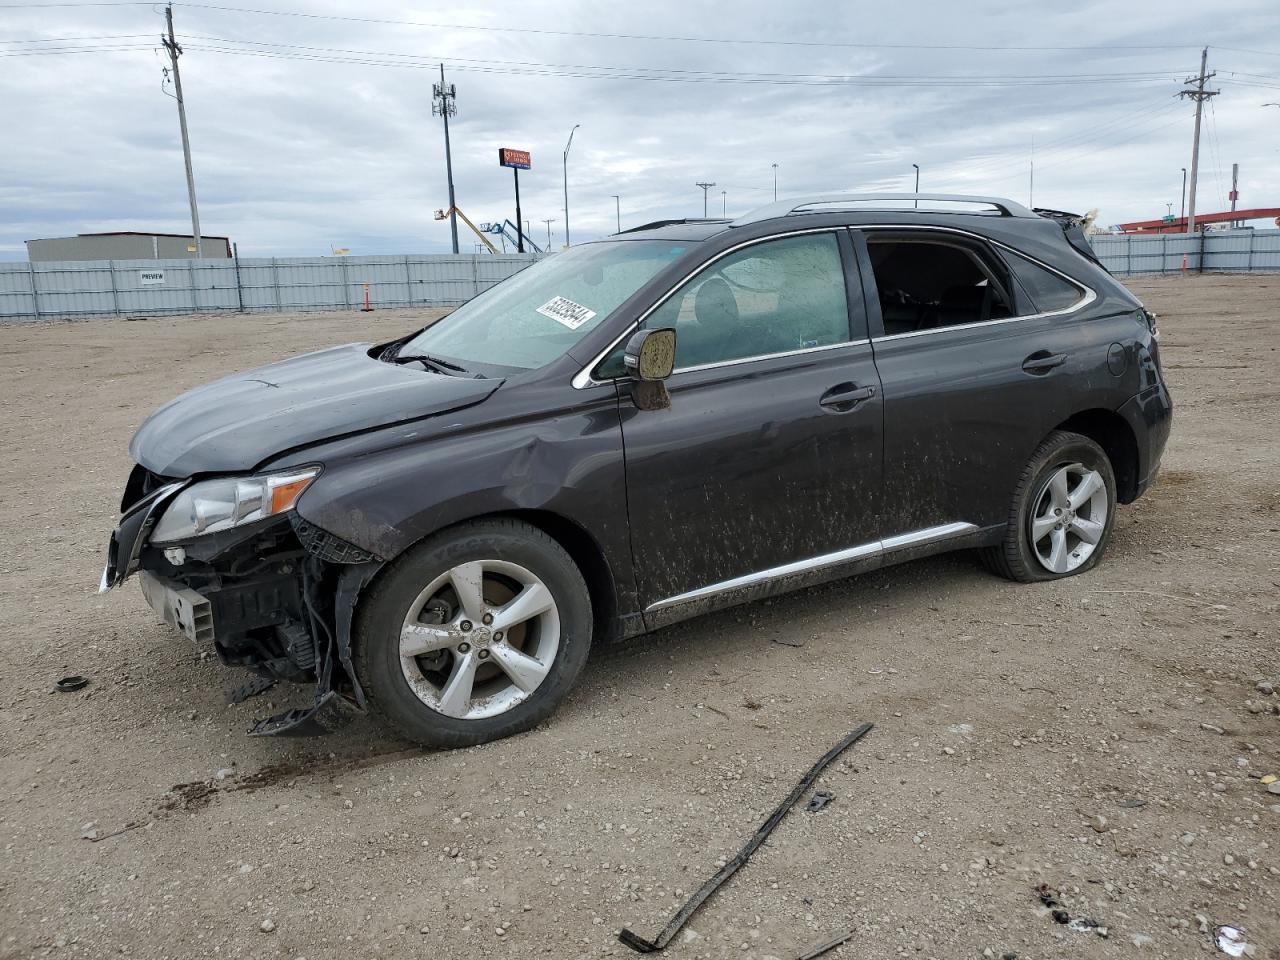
x,y
771,297
1048,290
925,284
535,316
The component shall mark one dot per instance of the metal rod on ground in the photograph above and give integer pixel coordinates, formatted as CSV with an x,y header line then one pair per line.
x,y
175,51
641,945
826,947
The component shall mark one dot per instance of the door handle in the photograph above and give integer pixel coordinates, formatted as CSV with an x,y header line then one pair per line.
x,y
1042,361
843,397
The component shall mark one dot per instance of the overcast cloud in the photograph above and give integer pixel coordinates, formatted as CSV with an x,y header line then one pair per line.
x,y
293,155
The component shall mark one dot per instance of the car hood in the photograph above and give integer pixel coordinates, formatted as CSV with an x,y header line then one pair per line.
x,y
236,423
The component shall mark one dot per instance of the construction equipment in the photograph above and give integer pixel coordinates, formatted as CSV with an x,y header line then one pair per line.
x,y
444,215
511,232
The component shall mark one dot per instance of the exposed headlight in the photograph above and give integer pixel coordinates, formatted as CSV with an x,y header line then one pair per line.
x,y
214,505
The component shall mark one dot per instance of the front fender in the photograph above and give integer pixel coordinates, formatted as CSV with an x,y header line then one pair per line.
x,y
569,464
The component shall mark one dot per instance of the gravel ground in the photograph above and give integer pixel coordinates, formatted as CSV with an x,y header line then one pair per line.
x,y
1104,735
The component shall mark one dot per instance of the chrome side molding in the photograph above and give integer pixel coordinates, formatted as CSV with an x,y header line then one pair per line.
x,y
862,551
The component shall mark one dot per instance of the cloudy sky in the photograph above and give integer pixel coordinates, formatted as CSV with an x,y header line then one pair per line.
x,y
311,128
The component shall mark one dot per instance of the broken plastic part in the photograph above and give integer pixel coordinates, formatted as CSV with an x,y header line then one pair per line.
x,y
1230,940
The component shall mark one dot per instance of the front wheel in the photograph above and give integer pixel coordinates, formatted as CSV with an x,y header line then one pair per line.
x,y
1062,512
474,635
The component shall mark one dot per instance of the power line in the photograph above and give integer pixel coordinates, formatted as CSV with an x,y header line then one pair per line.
x,y
684,39
666,38
615,73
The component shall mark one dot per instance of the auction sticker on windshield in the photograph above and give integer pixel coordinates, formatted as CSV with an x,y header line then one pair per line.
x,y
563,310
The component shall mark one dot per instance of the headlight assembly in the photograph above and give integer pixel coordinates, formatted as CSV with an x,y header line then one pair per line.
x,y
211,506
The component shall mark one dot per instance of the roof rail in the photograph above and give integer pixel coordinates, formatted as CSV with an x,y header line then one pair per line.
x,y
654,225
894,201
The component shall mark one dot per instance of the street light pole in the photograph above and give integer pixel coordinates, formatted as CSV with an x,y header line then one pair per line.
x,y
917,166
775,183
566,183
724,202
617,209
549,221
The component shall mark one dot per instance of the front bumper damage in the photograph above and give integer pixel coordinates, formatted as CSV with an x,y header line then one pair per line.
x,y
276,597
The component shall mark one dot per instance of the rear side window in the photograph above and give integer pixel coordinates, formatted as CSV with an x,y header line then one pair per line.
x,y
1047,289
927,284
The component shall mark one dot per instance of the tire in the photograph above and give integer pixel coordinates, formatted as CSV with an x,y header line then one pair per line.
x,y
1064,468
428,600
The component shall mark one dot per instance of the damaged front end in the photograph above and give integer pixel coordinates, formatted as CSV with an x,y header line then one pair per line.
x,y
229,561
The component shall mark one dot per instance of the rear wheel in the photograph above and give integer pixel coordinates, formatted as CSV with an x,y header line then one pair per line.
x,y
474,635
1062,512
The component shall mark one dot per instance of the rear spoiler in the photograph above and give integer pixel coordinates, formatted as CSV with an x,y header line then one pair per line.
x,y
1073,226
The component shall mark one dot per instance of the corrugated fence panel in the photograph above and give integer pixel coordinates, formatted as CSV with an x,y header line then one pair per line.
x,y
156,287
1224,251
16,298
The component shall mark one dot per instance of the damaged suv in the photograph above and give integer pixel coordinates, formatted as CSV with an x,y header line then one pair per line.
x,y
681,417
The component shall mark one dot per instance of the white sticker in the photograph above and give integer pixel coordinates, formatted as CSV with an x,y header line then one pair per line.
x,y
151,276
563,310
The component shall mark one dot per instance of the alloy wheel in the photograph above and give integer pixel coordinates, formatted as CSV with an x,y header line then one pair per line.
x,y
479,639
1069,517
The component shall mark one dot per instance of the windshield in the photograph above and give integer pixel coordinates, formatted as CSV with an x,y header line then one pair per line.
x,y
537,315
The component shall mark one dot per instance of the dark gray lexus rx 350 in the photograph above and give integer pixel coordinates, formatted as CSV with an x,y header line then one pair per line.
x,y
681,417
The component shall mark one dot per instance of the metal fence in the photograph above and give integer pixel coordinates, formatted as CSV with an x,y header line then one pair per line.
x,y
1217,251
130,288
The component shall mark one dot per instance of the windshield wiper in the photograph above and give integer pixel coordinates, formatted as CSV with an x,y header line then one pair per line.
x,y
441,366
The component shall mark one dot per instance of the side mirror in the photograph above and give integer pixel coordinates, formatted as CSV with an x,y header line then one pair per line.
x,y
651,354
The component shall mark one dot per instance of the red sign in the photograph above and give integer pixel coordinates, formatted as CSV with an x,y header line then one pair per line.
x,y
519,159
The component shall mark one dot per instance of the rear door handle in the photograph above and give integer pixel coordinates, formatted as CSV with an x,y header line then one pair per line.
x,y
1042,361
843,397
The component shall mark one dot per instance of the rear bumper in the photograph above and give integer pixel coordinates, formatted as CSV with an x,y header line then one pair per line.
x,y
1150,417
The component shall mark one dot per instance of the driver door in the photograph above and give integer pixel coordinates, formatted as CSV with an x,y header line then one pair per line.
x,y
768,461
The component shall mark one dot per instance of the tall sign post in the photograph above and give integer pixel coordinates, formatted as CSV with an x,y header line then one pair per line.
x,y
517,160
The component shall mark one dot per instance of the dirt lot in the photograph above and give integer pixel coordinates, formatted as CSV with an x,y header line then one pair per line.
x,y
1103,735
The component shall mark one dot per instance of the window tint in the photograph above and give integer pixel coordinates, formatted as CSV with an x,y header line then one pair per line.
x,y
771,297
1048,290
926,284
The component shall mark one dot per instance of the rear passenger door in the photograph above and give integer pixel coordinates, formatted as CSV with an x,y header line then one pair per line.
x,y
975,372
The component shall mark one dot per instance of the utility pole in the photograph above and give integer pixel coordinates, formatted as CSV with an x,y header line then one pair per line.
x,y
566,182
1182,212
617,209
1235,178
175,51
775,183
1199,94
705,187
549,221
444,97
